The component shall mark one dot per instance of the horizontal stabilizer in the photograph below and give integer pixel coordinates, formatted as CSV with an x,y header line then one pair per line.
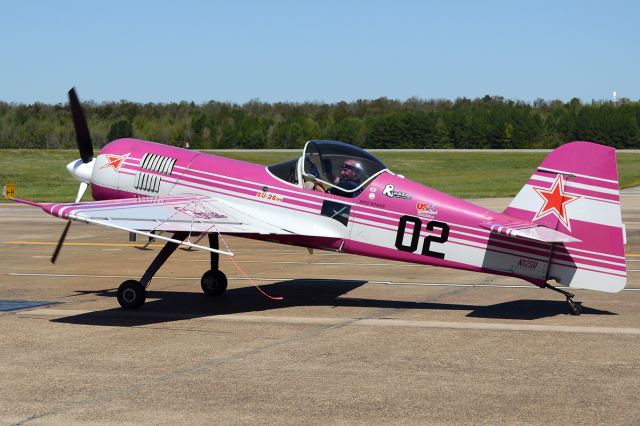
x,y
530,231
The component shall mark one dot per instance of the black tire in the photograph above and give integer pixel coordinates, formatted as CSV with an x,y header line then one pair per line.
x,y
213,283
131,294
575,307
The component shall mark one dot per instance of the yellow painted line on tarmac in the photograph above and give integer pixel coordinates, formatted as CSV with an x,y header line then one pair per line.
x,y
52,243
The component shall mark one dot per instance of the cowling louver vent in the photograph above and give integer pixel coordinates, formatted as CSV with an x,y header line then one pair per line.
x,y
158,163
147,182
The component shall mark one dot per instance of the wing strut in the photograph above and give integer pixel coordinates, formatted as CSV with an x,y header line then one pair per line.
x,y
156,236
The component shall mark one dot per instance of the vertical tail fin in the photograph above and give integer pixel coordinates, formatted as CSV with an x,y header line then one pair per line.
x,y
575,190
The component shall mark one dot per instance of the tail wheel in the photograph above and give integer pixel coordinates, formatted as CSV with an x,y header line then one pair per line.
x,y
213,283
131,294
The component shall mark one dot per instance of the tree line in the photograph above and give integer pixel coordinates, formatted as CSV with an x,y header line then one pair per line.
x,y
488,122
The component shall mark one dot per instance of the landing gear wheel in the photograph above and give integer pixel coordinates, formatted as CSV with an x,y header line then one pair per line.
x,y
213,283
574,307
131,294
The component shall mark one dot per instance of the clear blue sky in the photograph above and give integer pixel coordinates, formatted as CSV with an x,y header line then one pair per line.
x,y
325,50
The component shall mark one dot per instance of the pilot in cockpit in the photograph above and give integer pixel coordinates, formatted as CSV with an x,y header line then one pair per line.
x,y
350,175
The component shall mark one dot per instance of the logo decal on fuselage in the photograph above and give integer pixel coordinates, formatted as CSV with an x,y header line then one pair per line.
x,y
390,191
115,161
268,196
426,209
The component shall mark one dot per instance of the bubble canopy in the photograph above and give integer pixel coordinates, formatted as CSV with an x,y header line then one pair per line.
x,y
342,168
325,161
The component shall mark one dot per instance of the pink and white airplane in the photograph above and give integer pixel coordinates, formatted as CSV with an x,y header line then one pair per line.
x,y
564,225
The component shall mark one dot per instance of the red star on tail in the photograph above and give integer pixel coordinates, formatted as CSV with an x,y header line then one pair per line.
x,y
555,201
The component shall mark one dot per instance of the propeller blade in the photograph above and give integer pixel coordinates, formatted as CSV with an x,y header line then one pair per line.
x,y
60,242
83,187
85,146
83,137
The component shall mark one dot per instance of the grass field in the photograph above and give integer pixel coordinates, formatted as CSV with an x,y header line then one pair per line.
x,y
40,175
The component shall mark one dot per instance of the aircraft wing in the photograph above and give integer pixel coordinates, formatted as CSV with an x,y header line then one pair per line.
x,y
192,213
529,230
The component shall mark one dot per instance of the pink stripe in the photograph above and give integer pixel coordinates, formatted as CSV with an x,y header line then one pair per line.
x,y
579,179
519,251
129,202
544,174
539,183
587,193
196,176
55,209
419,258
525,252
518,255
595,237
520,240
532,247
310,202
192,172
195,173
93,206
209,186
589,269
393,222
589,262
564,251
571,190
392,254
198,181
244,197
313,202
247,170
592,182
508,245
379,226
246,191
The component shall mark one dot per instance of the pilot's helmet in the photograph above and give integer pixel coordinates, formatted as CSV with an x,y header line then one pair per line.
x,y
353,165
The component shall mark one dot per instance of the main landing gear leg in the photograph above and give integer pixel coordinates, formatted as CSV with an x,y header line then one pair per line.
x,y
214,282
132,293
574,307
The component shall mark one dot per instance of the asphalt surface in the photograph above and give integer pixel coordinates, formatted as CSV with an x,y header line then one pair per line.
x,y
354,340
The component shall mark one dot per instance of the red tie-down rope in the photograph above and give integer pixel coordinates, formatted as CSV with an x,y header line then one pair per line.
x,y
246,275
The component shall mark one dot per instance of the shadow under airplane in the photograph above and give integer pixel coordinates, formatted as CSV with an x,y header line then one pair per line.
x,y
166,306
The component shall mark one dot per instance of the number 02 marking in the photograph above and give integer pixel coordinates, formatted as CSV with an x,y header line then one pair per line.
x,y
415,236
